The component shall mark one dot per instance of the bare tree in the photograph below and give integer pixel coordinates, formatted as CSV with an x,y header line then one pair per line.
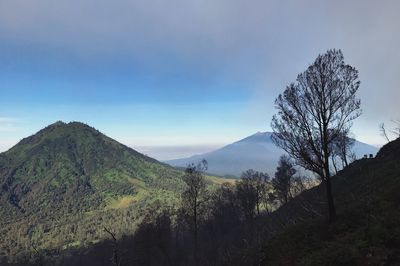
x,y
382,128
314,111
342,146
195,196
396,127
395,130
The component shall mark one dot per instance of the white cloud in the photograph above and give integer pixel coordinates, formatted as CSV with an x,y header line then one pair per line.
x,y
7,120
174,152
9,124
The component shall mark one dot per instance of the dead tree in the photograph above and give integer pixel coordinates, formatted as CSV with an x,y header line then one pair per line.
x,y
314,111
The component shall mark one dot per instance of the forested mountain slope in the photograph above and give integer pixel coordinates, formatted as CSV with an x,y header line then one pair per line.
x,y
63,185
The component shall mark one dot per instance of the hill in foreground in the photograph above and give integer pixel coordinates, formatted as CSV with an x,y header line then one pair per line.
x,y
60,187
367,230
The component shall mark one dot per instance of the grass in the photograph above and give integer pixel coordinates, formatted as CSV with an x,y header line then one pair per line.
x,y
74,244
121,203
220,180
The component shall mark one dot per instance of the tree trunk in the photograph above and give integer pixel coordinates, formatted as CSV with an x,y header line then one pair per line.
x,y
329,196
334,164
345,160
195,232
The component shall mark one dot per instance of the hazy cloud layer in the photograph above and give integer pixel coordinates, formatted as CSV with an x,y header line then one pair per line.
x,y
174,152
264,39
8,124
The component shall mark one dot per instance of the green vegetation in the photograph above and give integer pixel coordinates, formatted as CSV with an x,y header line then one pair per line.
x,y
63,185
60,218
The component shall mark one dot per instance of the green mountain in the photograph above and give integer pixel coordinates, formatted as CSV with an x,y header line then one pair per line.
x,y
60,187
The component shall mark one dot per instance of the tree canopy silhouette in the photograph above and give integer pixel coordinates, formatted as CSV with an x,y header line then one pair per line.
x,y
314,112
194,196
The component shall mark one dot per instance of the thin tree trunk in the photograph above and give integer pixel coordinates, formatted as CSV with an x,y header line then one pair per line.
x,y
195,232
329,196
345,160
334,164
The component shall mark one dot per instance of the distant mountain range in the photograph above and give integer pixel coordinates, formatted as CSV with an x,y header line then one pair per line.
x,y
256,152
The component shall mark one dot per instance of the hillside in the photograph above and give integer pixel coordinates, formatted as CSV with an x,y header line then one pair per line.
x,y
60,187
72,160
256,152
367,230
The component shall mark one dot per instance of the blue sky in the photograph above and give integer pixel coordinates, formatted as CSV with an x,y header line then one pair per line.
x,y
174,78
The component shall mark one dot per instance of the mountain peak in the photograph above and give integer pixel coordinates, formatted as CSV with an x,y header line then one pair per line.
x,y
260,133
58,123
57,130
67,157
72,124
256,151
257,137
61,123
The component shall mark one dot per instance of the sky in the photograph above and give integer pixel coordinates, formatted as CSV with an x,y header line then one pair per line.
x,y
180,77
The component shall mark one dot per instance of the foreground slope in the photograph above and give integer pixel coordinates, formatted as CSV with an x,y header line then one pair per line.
x,y
367,230
61,186
256,152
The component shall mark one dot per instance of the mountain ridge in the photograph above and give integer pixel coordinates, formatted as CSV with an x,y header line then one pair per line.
x,y
256,151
